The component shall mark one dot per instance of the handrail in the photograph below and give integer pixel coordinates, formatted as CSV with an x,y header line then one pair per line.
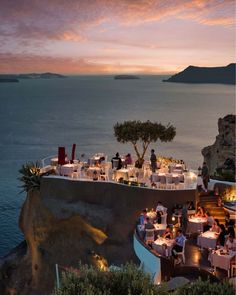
x,y
44,159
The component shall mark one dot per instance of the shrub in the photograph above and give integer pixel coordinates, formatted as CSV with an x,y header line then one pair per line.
x,y
206,288
129,280
30,176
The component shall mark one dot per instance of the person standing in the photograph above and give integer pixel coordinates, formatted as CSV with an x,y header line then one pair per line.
x,y
185,218
153,160
116,162
205,176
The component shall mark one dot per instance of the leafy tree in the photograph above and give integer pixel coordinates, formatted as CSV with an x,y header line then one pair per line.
x,y
142,134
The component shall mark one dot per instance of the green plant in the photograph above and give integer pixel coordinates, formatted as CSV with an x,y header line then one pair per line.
x,y
30,176
142,134
206,288
129,280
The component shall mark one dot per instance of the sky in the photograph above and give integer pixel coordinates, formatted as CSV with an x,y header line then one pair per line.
x,y
115,36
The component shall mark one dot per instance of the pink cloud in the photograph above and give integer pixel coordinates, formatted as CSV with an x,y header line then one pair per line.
x,y
50,19
32,63
129,30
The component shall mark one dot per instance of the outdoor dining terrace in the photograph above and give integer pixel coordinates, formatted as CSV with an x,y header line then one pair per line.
x,y
201,249
170,174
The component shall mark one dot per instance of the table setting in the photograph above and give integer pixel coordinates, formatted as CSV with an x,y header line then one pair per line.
x,y
159,244
196,224
221,258
207,239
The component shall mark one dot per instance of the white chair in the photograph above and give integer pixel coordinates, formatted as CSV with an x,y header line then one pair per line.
x,y
182,254
169,182
149,236
232,268
115,163
162,182
163,218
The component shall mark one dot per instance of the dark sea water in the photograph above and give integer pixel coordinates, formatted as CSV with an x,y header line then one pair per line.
x,y
37,116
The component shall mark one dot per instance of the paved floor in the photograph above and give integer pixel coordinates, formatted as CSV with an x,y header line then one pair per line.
x,y
199,258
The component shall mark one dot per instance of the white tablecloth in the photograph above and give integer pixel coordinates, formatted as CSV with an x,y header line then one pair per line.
x,y
91,170
196,224
207,240
54,161
121,173
67,169
152,215
160,228
158,245
221,260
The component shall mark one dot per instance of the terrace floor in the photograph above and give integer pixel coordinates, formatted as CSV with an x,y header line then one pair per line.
x,y
198,259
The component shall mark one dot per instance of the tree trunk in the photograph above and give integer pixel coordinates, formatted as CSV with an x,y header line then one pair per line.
x,y
139,163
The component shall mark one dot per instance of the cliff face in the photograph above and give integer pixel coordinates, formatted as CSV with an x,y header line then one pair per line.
x,y
67,221
220,157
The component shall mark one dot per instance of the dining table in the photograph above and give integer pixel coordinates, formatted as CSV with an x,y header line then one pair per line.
x,y
93,170
54,161
121,173
67,169
159,243
196,224
221,258
207,239
160,228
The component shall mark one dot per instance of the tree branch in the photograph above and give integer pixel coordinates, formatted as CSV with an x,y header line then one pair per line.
x,y
136,149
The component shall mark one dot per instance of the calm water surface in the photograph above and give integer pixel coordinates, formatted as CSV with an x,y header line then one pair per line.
x,y
37,116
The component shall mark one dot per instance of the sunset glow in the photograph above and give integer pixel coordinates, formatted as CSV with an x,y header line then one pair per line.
x,y
108,36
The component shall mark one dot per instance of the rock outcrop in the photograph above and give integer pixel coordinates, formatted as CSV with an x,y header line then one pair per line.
x,y
70,221
193,74
220,157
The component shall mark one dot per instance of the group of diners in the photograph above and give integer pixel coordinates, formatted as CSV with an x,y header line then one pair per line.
x,y
161,239
171,243
223,232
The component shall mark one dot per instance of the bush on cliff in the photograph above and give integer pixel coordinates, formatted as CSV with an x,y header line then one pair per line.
x,y
206,288
30,176
90,281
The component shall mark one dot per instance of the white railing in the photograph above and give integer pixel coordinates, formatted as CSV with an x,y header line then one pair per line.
x,y
148,261
47,159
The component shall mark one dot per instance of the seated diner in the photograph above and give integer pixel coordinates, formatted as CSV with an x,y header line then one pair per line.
x,y
178,247
168,234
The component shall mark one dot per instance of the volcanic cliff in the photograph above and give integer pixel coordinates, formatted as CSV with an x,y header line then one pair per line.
x,y
68,221
220,157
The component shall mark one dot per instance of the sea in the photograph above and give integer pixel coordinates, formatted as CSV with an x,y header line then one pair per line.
x,y
38,115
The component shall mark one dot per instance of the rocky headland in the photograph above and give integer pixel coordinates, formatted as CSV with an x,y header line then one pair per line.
x,y
193,74
220,157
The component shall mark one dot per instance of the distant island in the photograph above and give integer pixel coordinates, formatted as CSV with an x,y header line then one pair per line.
x,y
193,74
125,77
5,78
8,80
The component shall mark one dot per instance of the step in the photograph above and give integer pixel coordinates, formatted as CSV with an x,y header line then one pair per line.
x,y
208,199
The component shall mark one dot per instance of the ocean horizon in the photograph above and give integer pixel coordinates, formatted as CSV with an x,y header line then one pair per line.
x,y
39,115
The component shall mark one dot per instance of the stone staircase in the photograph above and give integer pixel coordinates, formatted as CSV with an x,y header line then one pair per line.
x,y
209,202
